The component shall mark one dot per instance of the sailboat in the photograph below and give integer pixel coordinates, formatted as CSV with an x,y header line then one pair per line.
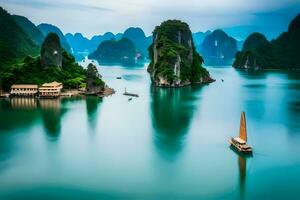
x,y
240,142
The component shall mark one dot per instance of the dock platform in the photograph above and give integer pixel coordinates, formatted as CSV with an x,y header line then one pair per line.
x,y
130,94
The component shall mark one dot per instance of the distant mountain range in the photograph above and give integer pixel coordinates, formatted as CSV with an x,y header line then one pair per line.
x,y
20,37
81,45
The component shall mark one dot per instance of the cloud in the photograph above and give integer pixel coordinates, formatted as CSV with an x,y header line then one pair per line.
x,y
92,17
39,4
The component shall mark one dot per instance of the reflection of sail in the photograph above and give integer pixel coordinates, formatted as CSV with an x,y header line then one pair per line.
x,y
172,111
243,128
242,174
242,164
92,103
51,114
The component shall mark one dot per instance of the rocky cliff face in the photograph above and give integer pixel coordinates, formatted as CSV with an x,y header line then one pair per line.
x,y
51,51
174,61
94,84
218,48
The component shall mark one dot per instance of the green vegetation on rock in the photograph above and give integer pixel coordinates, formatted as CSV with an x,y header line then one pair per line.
x,y
32,71
174,61
94,84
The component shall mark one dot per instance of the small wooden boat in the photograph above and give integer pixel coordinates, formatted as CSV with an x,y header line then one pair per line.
x,y
240,143
119,77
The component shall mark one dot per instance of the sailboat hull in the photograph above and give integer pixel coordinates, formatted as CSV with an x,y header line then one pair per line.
x,y
243,148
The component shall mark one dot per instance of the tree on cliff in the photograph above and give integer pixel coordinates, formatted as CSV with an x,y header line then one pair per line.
x,y
94,84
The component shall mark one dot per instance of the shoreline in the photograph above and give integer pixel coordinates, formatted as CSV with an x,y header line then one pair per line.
x,y
67,93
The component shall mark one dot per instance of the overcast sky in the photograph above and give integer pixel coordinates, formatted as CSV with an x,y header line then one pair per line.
x,y
92,17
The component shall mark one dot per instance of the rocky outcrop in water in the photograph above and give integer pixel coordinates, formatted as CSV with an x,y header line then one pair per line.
x,y
94,84
174,61
280,53
51,51
115,52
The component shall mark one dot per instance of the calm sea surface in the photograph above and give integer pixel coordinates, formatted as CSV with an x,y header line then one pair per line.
x,y
166,144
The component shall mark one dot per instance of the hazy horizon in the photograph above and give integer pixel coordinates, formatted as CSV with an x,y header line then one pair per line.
x,y
94,17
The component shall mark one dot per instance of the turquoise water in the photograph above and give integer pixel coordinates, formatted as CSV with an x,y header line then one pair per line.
x,y
166,144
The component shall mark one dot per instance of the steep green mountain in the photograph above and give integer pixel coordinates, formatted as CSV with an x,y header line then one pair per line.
x,y
15,44
254,40
97,39
49,28
34,70
198,38
121,51
30,29
218,48
174,60
51,51
138,37
280,53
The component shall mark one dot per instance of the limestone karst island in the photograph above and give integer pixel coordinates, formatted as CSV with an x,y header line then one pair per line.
x,y
150,99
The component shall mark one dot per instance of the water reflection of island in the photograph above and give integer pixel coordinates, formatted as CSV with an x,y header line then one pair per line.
x,y
51,114
92,104
171,113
